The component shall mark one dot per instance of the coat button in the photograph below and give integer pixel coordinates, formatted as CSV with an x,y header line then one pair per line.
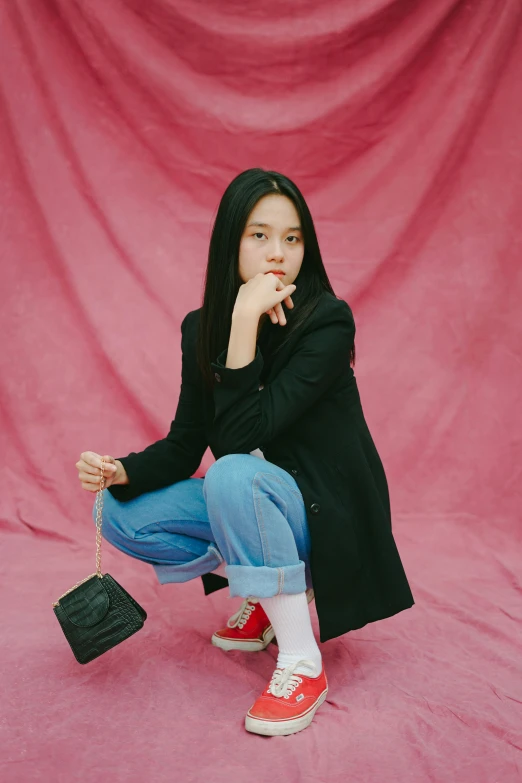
x,y
217,376
294,471
315,508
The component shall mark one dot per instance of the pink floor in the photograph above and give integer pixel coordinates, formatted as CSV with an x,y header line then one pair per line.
x,y
121,123
433,694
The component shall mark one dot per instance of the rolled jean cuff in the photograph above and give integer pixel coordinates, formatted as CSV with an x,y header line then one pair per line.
x,y
183,572
265,581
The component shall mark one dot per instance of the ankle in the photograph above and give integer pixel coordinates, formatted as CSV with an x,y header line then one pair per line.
x,y
284,660
290,620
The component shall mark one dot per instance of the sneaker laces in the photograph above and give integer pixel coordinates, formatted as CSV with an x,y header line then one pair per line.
x,y
285,681
241,617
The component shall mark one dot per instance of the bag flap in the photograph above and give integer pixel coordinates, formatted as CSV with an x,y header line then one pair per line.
x,y
88,604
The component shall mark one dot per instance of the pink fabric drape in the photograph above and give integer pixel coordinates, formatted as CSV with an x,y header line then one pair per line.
x,y
121,125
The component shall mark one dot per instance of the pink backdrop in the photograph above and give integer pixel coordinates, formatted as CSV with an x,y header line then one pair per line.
x,y
122,122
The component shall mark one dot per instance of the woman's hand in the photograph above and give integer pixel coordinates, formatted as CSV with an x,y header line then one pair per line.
x,y
265,293
89,471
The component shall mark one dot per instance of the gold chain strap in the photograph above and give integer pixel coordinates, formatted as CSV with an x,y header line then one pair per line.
x,y
99,508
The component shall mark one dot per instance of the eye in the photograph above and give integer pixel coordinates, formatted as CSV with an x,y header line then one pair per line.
x,y
258,234
293,237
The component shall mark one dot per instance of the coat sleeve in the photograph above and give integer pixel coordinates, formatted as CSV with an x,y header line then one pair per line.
x,y
247,418
177,456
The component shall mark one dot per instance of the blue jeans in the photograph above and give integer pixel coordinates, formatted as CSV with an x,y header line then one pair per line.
x,y
247,512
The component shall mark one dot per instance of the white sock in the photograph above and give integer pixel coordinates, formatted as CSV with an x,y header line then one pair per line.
x,y
290,619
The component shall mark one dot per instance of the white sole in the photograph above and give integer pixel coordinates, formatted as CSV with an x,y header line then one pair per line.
x,y
284,727
252,645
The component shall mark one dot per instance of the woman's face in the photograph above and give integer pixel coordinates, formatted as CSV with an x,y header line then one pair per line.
x,y
272,240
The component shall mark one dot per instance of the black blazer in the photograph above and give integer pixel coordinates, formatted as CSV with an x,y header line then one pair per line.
x,y
308,420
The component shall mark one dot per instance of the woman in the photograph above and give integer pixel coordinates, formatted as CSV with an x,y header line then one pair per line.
x,y
297,497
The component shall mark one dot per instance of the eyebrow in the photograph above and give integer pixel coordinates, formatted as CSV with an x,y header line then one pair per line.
x,y
267,225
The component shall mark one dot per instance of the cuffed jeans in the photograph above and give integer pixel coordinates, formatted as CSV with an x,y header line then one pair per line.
x,y
247,512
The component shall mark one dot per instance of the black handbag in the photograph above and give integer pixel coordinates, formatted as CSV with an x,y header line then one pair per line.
x,y
97,613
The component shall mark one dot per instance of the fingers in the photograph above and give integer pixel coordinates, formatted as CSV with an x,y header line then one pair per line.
x,y
273,315
287,300
92,462
90,459
91,483
109,470
289,291
280,313
89,470
277,315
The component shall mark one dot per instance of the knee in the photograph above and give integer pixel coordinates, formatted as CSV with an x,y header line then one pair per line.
x,y
225,473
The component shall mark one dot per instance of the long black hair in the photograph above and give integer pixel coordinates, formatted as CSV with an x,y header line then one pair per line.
x,y
222,279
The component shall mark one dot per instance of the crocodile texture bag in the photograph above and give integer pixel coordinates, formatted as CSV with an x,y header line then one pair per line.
x,y
97,613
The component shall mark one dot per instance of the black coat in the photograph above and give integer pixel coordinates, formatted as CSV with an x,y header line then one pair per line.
x,y
309,421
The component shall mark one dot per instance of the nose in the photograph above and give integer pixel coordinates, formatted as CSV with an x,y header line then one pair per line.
x,y
275,252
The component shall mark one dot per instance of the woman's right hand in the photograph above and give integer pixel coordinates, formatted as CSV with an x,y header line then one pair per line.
x,y
89,471
264,293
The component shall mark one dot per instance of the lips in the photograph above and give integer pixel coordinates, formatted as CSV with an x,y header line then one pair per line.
x,y
274,272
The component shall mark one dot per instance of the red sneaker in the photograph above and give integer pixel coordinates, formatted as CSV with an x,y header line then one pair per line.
x,y
249,628
289,703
